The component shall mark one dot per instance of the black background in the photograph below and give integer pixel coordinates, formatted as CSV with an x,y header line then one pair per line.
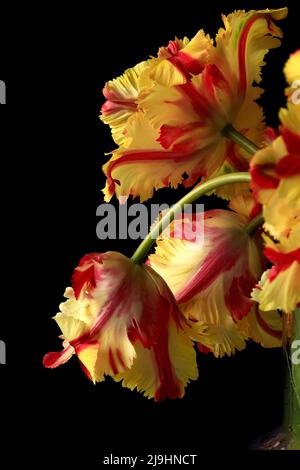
x,y
55,63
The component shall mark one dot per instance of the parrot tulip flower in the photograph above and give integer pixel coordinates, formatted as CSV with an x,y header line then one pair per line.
x,y
212,281
279,287
174,123
275,170
121,319
174,64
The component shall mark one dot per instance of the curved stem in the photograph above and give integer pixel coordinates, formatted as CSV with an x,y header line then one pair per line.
x,y
193,195
232,134
256,222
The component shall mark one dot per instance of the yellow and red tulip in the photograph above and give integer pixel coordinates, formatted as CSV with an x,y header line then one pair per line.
x,y
212,281
275,170
279,287
173,65
122,320
275,175
185,101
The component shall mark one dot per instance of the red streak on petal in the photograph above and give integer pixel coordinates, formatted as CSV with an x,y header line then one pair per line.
x,y
203,349
110,107
137,156
217,262
120,357
213,79
82,346
168,386
172,47
106,312
288,166
192,65
97,257
169,134
291,139
84,276
115,102
83,280
282,261
266,327
235,159
270,135
242,53
260,180
179,66
200,103
237,299
112,362
275,270
55,359
141,156
282,258
85,370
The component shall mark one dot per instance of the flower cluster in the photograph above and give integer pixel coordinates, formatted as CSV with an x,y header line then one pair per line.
x,y
175,119
167,114
275,172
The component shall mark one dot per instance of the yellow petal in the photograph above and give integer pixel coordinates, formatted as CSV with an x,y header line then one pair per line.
x,y
283,210
76,316
180,59
263,327
292,68
122,94
144,166
116,352
282,292
145,375
181,262
88,357
246,39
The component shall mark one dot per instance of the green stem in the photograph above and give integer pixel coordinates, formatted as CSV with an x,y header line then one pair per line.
x,y
232,134
231,178
256,222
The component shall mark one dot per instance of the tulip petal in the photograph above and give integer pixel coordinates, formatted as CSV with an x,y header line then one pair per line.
x,y
263,327
282,292
127,168
292,68
116,352
204,277
87,354
279,286
55,359
246,39
121,94
170,365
